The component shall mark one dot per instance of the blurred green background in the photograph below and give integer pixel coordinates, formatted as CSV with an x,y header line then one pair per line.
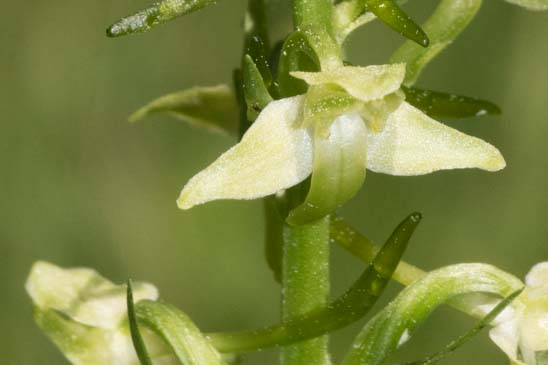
x,y
79,186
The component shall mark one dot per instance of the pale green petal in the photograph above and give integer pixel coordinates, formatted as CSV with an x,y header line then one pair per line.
x,y
363,83
273,155
86,345
505,336
533,325
531,4
211,107
523,336
538,276
414,144
82,294
533,330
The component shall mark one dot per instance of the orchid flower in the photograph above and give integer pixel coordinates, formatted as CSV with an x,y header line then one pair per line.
x,y
349,119
522,330
85,315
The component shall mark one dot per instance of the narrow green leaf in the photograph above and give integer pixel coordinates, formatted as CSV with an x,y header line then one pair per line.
x,y
338,169
392,15
395,324
448,21
136,337
349,307
296,55
211,107
156,14
442,105
458,342
256,93
179,332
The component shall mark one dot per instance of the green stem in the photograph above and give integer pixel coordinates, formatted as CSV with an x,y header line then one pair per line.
x,y
312,13
305,282
305,266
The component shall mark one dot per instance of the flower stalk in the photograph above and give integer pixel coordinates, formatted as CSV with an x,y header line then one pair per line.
x,y
305,286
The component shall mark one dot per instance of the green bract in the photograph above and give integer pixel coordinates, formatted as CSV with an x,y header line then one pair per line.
x,y
278,151
522,333
156,14
210,107
85,315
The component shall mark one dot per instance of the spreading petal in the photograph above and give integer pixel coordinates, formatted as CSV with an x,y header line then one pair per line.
x,y
363,83
273,155
414,144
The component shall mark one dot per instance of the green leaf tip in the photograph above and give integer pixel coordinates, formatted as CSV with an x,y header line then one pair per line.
x,y
392,15
136,338
387,259
368,288
443,105
156,14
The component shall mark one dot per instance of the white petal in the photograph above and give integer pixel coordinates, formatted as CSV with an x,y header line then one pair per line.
x,y
363,83
538,276
82,294
414,144
85,345
273,155
505,336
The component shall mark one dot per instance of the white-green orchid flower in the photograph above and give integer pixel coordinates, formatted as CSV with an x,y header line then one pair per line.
x,y
522,330
368,124
85,315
